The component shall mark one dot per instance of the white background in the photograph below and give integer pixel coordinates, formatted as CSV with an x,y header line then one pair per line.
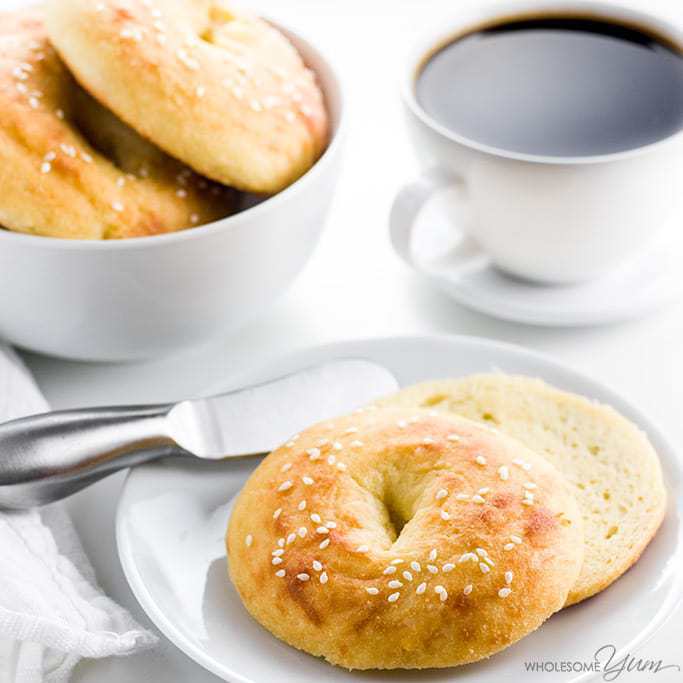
x,y
356,287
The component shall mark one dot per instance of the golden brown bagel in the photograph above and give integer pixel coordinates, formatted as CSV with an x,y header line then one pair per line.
x,y
393,540
69,168
221,90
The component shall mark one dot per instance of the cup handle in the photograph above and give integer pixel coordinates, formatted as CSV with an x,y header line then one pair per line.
x,y
409,202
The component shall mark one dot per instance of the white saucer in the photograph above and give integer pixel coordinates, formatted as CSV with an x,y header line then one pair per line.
x,y
172,515
631,291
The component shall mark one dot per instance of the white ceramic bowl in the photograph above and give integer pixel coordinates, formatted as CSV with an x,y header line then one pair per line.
x,y
136,298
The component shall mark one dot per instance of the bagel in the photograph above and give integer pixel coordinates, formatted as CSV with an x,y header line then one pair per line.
x,y
393,540
613,468
221,90
69,168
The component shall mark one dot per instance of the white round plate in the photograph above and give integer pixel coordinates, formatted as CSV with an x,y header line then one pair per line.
x,y
636,288
172,515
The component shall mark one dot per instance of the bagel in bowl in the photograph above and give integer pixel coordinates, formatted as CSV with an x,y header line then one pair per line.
x,y
220,89
69,168
394,539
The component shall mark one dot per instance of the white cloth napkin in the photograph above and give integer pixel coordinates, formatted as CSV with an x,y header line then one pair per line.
x,y
52,612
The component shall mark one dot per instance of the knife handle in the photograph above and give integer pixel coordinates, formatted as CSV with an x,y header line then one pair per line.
x,y
44,458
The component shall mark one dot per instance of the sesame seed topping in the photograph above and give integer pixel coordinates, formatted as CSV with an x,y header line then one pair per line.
x,y
415,566
33,102
508,577
395,583
285,486
407,576
303,576
432,569
518,462
287,466
302,532
483,491
476,498
528,501
389,570
289,444
200,91
427,441
277,513
323,442
504,592
117,206
277,552
323,578
481,552
324,544
489,561
433,554
441,592
394,597
398,560
462,496
322,530
503,472
280,573
441,493
276,560
362,549
526,466
291,538
480,460
356,444
465,557
351,430
372,590
485,569
248,540
337,446
281,542
86,157
313,453
45,167
467,589
59,113
421,588
401,424
256,105
444,515
453,437
301,506
308,481
448,567
341,466
509,546
317,565
315,517
331,525
515,539
529,485
331,459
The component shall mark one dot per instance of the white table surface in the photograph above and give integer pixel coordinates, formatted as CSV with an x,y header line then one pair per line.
x,y
355,287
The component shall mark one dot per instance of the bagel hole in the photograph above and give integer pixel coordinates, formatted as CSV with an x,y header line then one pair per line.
x,y
397,518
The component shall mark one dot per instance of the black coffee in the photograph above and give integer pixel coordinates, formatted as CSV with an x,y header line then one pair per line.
x,y
558,86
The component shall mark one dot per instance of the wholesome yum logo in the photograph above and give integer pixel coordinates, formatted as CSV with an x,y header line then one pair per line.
x,y
604,661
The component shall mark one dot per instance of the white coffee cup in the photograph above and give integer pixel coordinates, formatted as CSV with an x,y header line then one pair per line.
x,y
545,218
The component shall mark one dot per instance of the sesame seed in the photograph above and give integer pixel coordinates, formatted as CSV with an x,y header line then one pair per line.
x,y
509,546
303,576
526,466
389,570
415,566
317,565
276,560
200,91
301,506
421,588
277,552
394,597
302,532
181,193
248,540
323,578
462,496
407,576
401,424
315,517
117,206
476,498
281,542
256,105
307,480
530,485
313,453
448,567
518,462
356,444
322,530
427,441
441,592
396,561
86,157
69,150
337,446
324,544
433,554
331,525
286,466
351,430
515,539
285,486
238,92
508,577
291,538
33,102
341,466
489,561
481,552
395,584
120,182
480,460
362,549
45,167
453,437
331,459
59,113
277,513
432,569
280,573
444,515
528,501
504,592
372,590
483,491
485,569
467,589
441,493
503,472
